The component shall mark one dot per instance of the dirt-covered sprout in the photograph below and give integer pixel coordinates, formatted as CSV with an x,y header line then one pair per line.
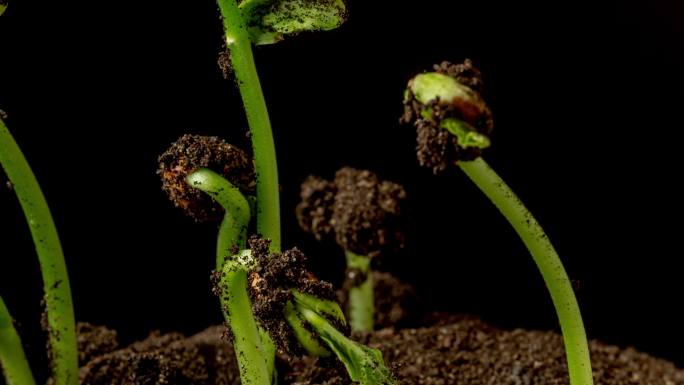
x,y
193,152
297,309
362,212
365,217
453,125
452,120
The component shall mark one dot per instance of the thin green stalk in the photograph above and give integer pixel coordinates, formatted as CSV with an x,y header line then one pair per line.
x,y
242,62
12,358
58,303
361,297
254,349
548,262
233,230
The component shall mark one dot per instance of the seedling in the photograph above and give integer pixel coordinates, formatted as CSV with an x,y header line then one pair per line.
x,y
268,299
363,215
453,125
58,303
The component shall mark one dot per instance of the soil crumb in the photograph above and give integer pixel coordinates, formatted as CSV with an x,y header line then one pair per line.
x,y
192,152
363,212
94,341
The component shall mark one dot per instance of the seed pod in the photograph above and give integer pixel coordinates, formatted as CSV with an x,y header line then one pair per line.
x,y
452,120
362,212
192,152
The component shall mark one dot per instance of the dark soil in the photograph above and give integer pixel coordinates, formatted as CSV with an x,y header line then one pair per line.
x,y
455,350
192,152
363,212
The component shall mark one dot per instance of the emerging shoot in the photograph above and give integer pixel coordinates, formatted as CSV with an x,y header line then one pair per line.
x,y
453,125
363,214
198,190
281,285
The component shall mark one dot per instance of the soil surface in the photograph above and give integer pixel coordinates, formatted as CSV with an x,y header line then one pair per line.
x,y
453,350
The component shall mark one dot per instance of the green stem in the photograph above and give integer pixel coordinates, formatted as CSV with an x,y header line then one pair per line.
x,y
361,297
242,61
548,262
58,303
233,230
251,354
254,350
12,358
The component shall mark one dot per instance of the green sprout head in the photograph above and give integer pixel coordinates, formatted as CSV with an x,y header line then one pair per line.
x,y
452,120
3,6
193,152
361,211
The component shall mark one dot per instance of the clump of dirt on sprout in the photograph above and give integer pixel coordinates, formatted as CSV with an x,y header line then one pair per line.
x,y
270,285
360,210
436,147
192,152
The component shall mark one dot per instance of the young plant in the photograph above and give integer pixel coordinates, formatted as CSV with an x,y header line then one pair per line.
x,y
186,170
188,177
363,214
453,125
58,303
266,22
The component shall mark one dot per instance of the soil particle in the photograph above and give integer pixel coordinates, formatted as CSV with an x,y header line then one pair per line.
x,y
271,282
396,303
187,155
166,359
363,212
315,210
436,148
94,341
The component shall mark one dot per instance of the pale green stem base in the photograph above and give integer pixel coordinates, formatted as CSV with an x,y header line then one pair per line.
x,y
12,358
548,262
242,63
361,297
58,303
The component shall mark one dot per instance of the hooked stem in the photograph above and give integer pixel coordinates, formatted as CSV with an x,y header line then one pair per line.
x,y
12,358
361,296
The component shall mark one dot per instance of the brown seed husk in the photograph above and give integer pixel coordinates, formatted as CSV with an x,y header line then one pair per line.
x,y
192,152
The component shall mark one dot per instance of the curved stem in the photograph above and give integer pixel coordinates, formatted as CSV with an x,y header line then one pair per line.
x,y
242,62
548,262
254,350
58,303
361,297
12,358
233,230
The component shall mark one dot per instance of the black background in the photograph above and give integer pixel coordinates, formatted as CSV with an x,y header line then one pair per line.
x,y
586,98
